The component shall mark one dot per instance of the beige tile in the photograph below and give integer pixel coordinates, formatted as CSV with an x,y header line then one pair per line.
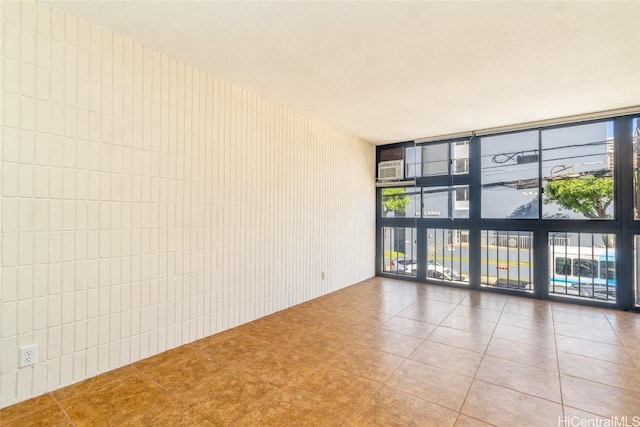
x,y
409,326
476,312
630,339
485,301
22,409
428,311
389,407
113,403
580,316
34,412
610,353
338,391
524,378
536,323
408,293
469,324
609,373
393,306
373,318
466,421
228,396
534,337
433,384
598,398
172,413
240,348
532,309
367,362
572,309
282,409
391,342
184,370
523,353
449,358
279,367
448,296
501,406
95,383
461,339
632,344
601,335
348,331
313,343
624,324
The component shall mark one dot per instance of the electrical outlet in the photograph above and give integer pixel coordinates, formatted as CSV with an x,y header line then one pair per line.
x,y
28,355
322,275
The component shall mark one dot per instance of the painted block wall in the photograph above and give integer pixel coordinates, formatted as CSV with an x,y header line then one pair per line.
x,y
147,204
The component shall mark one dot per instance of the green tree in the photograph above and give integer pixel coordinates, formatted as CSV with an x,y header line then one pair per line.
x,y
394,199
589,196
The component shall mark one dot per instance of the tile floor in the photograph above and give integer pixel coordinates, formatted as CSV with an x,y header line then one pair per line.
x,y
382,352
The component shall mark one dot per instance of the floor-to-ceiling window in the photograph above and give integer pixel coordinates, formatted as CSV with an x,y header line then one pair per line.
x,y
550,212
635,160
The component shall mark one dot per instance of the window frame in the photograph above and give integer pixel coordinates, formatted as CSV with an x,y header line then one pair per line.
x,y
623,225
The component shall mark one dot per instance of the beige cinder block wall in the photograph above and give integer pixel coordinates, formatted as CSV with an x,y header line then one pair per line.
x,y
146,204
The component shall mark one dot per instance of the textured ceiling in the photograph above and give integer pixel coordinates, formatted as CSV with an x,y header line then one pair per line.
x,y
396,71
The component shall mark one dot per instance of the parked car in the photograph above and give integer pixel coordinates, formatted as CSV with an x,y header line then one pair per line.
x,y
440,272
404,265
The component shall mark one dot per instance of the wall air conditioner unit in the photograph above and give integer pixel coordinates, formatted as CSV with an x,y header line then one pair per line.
x,y
391,170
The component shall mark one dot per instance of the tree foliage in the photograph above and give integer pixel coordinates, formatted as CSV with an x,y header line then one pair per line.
x,y
589,196
394,200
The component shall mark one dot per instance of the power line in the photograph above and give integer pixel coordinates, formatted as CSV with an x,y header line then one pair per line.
x,y
563,147
547,160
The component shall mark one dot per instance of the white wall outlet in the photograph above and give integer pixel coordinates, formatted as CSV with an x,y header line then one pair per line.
x,y
28,355
322,275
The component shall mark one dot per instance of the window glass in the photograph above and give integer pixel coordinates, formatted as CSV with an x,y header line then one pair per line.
x,y
460,157
507,259
607,270
399,250
460,198
577,166
446,202
436,202
591,273
399,202
413,162
636,167
563,266
636,262
435,159
448,255
585,267
510,176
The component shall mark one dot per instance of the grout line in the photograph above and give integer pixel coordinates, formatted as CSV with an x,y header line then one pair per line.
x,y
482,358
355,411
637,365
62,409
